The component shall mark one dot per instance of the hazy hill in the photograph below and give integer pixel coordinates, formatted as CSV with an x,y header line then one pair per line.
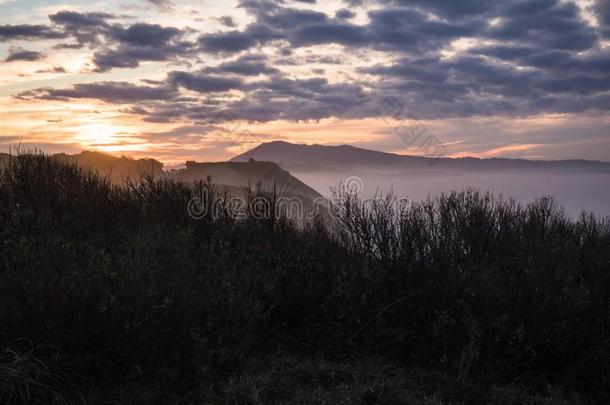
x,y
234,177
242,174
118,169
316,157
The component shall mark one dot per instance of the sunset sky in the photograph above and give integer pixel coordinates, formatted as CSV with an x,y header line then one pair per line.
x,y
206,80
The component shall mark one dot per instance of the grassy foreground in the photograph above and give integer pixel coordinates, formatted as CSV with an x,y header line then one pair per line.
x,y
117,295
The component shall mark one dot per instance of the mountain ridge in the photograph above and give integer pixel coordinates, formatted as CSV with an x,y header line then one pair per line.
x,y
302,156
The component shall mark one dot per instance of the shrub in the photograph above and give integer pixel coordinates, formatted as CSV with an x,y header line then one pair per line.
x,y
124,283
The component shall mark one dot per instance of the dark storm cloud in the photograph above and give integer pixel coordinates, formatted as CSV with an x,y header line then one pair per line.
x,y
295,99
268,101
112,92
598,102
602,12
273,22
594,62
249,65
20,54
141,42
344,14
465,81
425,70
74,20
287,18
329,33
237,41
410,30
473,74
389,29
232,41
204,83
406,26
123,46
580,84
85,28
450,9
227,21
480,71
509,53
265,100
26,31
141,34
546,23
118,46
127,56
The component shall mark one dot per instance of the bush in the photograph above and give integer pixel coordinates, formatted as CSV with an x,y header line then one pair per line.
x,y
125,284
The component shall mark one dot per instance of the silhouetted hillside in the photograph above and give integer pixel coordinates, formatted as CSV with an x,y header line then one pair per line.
x,y
243,174
117,169
317,157
236,178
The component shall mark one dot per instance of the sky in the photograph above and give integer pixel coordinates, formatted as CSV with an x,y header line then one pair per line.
x,y
207,80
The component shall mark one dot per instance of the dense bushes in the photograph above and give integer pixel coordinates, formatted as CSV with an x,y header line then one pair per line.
x,y
122,282
484,284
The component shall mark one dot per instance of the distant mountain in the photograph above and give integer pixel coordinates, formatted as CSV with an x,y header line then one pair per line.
x,y
575,184
118,169
298,157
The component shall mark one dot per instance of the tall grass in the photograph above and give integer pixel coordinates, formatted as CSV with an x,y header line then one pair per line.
x,y
25,378
124,283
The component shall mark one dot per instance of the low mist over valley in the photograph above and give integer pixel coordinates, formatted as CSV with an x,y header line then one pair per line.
x,y
577,185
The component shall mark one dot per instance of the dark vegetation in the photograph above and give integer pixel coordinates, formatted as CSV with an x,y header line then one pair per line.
x,y
114,294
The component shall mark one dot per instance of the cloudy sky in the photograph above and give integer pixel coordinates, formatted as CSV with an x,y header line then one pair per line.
x,y
209,79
